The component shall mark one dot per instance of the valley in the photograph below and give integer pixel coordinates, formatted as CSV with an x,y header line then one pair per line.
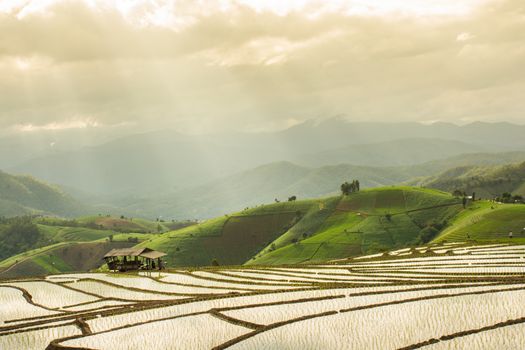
x,y
290,232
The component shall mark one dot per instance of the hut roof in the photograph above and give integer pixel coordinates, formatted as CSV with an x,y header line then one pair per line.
x,y
143,252
153,254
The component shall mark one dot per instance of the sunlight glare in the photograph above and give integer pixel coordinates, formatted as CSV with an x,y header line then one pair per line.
x,y
180,14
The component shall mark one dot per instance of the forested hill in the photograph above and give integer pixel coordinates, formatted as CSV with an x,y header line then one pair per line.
x,y
485,181
21,195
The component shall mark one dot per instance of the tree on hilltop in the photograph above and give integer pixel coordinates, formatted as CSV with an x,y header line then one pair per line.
x,y
347,188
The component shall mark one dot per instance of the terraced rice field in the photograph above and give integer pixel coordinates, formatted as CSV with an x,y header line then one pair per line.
x,y
449,297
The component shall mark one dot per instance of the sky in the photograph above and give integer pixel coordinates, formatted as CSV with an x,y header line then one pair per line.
x,y
256,65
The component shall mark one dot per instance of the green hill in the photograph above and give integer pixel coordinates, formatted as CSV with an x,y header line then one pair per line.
x,y
486,181
486,221
313,230
368,222
231,239
59,258
304,231
22,195
123,224
33,246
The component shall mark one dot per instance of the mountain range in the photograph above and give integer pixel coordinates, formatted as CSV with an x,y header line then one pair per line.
x,y
280,180
167,160
173,175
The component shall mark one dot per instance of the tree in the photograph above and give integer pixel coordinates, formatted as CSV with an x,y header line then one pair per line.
x,y
19,235
215,262
506,197
292,198
473,196
347,188
464,202
427,234
457,193
111,238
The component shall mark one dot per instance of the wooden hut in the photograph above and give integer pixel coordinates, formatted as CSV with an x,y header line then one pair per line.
x,y
134,259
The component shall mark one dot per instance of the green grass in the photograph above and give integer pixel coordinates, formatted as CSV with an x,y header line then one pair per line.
x,y
302,205
141,237
52,263
73,234
28,254
58,258
77,249
184,246
231,239
359,225
83,234
309,224
124,224
320,229
485,221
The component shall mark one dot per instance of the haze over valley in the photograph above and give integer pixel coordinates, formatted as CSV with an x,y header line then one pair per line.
x,y
180,176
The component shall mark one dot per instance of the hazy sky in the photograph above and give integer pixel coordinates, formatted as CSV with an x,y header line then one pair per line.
x,y
258,65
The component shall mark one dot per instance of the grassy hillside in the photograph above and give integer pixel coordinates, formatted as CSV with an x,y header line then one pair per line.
x,y
122,224
230,239
102,226
59,258
51,245
73,234
485,221
313,230
367,222
21,195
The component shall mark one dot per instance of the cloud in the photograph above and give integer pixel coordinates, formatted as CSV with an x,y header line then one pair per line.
x,y
258,65
465,36
76,123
